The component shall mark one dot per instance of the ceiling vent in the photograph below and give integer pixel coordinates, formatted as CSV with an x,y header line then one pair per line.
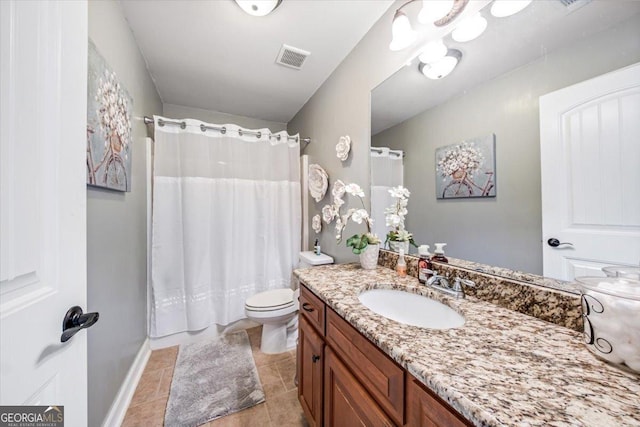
x,y
574,4
292,57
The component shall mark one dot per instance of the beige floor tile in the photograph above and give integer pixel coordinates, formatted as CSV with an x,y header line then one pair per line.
x,y
267,359
149,414
285,410
287,370
165,382
163,358
147,388
273,389
268,373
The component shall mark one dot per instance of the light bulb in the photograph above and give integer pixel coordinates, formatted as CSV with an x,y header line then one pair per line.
x,y
258,7
433,52
433,10
470,28
401,31
443,67
503,8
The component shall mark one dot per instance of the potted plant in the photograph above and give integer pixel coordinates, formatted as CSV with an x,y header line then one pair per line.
x,y
398,238
366,245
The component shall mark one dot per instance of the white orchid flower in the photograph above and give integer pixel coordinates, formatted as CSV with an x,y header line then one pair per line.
x,y
359,215
354,190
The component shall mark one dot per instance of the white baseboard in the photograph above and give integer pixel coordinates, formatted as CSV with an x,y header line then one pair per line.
x,y
120,404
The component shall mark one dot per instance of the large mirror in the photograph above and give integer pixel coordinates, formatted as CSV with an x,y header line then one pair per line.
x,y
494,93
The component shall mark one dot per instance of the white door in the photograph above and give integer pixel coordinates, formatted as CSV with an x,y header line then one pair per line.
x,y
590,155
43,98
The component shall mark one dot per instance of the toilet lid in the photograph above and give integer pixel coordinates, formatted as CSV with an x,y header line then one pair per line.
x,y
274,299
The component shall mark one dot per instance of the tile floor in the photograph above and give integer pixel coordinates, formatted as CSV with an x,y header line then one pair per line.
x,y
276,371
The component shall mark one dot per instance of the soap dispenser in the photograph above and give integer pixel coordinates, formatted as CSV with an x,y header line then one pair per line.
x,y
401,266
438,254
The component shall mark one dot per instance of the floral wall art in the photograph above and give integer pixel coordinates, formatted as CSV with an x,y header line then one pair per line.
x,y
109,108
467,169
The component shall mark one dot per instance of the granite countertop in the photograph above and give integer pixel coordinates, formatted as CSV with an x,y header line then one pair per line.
x,y
501,368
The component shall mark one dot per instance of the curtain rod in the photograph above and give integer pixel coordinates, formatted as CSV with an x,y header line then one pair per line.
x,y
398,153
149,121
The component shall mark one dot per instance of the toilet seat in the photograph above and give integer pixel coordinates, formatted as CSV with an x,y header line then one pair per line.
x,y
270,301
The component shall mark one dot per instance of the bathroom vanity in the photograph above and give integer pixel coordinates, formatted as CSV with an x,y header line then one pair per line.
x,y
501,367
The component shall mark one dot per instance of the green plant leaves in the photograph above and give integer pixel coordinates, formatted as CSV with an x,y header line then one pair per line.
x,y
358,243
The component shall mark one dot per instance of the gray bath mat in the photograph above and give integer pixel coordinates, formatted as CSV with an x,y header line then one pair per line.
x,y
213,379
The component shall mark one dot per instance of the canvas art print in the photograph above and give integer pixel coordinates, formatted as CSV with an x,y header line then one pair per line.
x,y
467,169
109,108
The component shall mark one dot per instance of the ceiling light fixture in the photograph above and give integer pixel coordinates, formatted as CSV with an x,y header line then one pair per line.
x,y
258,7
433,10
401,32
470,28
436,12
504,8
443,67
433,52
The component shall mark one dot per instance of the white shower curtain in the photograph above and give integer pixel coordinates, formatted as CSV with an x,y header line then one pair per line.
x,y
387,171
226,222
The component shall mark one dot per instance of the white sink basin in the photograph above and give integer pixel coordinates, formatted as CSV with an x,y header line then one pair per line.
x,y
411,309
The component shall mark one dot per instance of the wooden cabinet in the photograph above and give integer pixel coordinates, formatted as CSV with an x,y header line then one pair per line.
x,y
425,409
382,377
312,308
346,402
310,370
346,380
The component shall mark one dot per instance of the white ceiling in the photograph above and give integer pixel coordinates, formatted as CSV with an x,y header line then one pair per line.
x,y
508,43
211,55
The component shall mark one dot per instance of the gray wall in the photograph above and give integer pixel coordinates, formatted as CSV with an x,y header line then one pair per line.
x,y
116,226
217,117
503,231
341,106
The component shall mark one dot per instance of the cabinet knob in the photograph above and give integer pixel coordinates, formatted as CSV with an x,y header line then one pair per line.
x,y
315,358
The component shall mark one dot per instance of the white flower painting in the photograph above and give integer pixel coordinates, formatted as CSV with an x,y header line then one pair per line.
x,y
109,109
467,169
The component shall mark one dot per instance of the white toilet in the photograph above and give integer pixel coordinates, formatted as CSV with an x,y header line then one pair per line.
x,y
277,310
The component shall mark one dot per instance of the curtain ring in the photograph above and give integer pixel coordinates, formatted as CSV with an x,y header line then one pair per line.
x,y
223,130
240,132
160,122
259,135
202,128
278,137
183,125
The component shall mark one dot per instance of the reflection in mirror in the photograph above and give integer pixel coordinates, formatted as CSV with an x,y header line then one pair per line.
x,y
495,89
387,171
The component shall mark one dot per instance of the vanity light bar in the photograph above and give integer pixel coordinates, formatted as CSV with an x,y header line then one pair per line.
x,y
221,129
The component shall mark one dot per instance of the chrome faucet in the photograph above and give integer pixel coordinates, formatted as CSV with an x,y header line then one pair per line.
x,y
440,283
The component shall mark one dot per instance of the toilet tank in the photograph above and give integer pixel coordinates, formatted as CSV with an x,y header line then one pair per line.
x,y
310,259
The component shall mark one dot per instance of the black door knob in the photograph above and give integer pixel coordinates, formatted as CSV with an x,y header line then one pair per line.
x,y
554,243
75,320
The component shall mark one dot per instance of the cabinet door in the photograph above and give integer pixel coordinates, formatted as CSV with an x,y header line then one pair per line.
x,y
310,368
346,402
426,410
